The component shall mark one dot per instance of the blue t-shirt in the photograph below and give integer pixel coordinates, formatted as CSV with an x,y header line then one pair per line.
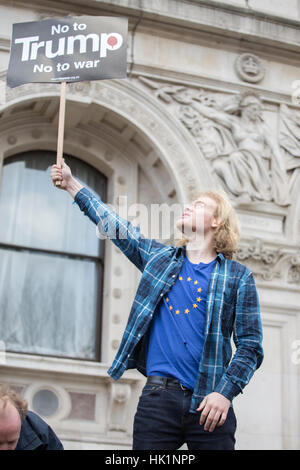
x,y
176,335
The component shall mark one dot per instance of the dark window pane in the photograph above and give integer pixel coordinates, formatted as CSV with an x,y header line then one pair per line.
x,y
34,213
48,304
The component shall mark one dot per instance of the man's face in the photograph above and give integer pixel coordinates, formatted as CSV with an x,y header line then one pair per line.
x,y
198,218
10,426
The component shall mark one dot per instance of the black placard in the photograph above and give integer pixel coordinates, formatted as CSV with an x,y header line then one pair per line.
x,y
68,49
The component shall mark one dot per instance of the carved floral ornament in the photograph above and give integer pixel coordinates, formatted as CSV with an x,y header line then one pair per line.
x,y
268,263
248,159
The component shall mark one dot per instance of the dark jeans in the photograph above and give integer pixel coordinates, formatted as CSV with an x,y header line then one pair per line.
x,y
163,422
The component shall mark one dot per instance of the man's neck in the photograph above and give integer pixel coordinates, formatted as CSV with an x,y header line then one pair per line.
x,y
200,253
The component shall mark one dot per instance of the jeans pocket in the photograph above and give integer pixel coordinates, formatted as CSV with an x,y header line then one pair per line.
x,y
231,419
151,389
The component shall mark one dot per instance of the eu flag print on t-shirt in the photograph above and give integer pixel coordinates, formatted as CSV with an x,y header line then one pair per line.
x,y
176,335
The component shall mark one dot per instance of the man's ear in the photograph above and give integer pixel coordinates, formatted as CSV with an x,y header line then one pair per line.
x,y
214,223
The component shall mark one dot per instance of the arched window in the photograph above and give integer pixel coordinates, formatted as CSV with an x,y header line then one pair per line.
x,y
51,261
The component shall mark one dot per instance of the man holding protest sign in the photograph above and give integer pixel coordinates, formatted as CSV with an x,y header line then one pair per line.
x,y
189,302
190,298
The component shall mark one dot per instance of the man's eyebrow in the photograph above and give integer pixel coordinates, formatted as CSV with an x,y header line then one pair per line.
x,y
197,201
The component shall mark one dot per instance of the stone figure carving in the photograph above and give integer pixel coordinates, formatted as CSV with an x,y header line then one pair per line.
x,y
289,140
245,155
233,136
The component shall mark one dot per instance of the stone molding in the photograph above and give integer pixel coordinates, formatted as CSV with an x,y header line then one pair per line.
x,y
232,21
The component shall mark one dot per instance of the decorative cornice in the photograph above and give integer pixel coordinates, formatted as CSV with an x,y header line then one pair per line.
x,y
270,262
217,14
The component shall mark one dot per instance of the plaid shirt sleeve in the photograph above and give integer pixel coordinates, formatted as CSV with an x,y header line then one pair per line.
x,y
110,225
247,336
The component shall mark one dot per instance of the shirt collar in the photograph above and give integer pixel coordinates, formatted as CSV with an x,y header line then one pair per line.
x,y
181,250
220,257
28,439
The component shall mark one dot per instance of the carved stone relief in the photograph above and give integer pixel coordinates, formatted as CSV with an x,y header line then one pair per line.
x,y
120,395
289,140
232,134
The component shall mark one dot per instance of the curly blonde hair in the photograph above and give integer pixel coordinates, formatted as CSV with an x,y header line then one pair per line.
x,y
227,233
9,395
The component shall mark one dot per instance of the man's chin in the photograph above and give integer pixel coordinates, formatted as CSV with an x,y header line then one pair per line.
x,y
183,229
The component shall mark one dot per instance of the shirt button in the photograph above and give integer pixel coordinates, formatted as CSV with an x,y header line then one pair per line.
x,y
173,275
161,294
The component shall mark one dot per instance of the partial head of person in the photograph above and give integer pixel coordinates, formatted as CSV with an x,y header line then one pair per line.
x,y
250,105
13,409
210,216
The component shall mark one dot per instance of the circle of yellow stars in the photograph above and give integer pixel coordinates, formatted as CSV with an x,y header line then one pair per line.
x,y
195,305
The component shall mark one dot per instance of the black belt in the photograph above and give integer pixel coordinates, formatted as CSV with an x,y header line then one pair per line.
x,y
166,382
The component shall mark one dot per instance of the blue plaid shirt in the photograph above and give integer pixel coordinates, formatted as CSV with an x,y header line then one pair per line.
x,y
232,307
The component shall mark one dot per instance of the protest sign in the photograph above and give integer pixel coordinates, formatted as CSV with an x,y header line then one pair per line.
x,y
69,49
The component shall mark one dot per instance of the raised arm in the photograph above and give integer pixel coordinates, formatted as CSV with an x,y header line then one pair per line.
x,y
123,234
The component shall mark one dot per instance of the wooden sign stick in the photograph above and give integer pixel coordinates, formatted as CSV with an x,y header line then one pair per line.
x,y
61,126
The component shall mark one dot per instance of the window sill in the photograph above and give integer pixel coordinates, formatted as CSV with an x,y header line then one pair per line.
x,y
56,365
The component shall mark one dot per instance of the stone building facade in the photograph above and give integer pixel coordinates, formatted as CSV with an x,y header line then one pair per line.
x,y
211,99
